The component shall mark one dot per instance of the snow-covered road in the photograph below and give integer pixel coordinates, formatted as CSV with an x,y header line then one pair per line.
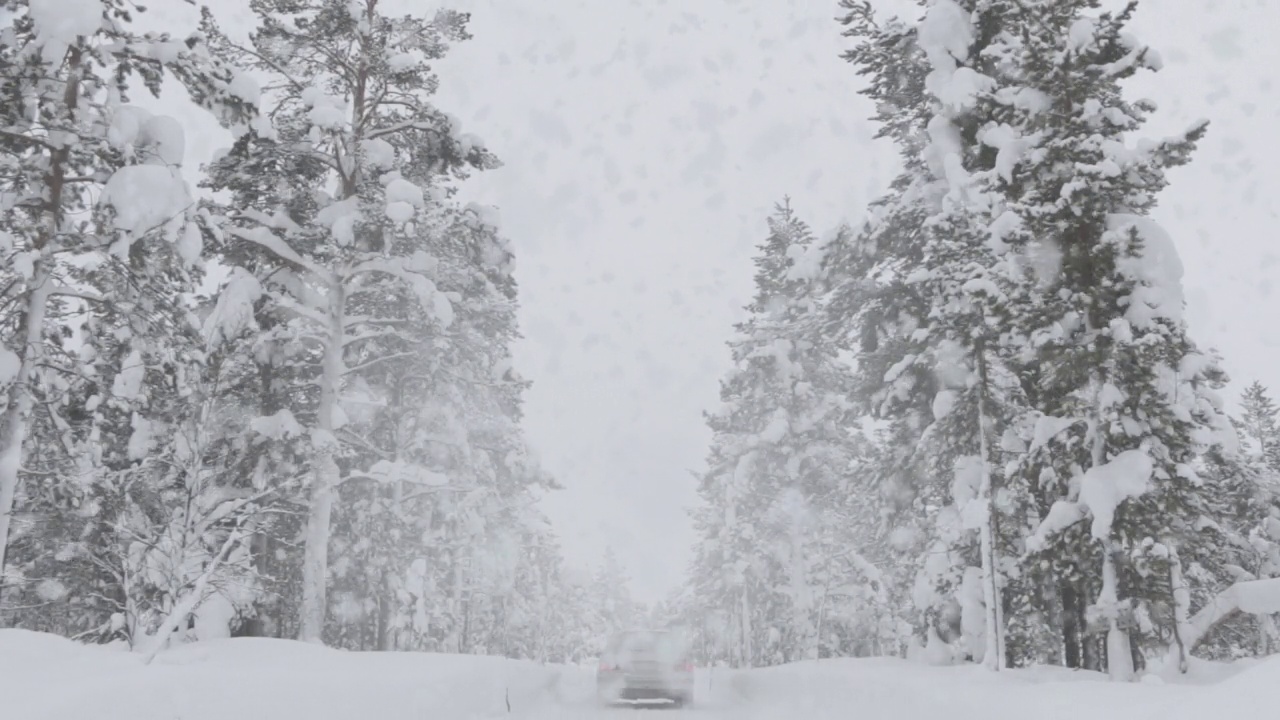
x,y
43,677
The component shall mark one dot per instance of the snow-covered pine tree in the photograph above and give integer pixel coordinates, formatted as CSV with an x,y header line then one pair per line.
x,y
474,424
925,294
1125,398
89,194
779,459
871,314
1260,423
1245,516
610,595
350,89
455,408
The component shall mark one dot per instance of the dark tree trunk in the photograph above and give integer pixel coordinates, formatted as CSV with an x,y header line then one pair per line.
x,y
1072,635
1135,650
1095,652
259,555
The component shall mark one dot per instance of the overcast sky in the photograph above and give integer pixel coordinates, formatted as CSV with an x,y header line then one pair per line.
x,y
645,142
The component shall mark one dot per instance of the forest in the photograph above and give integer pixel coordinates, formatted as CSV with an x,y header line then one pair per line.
x,y
972,427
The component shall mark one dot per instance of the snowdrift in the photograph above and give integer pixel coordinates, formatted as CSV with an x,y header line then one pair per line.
x,y
892,689
1252,693
45,677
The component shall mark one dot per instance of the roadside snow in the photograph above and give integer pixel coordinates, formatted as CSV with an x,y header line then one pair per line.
x,y
44,677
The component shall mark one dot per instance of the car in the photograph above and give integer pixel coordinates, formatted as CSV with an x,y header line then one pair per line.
x,y
645,665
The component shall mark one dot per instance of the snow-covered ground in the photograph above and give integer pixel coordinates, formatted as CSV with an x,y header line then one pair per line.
x,y
43,677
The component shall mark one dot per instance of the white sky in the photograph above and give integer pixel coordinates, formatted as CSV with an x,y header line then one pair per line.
x,y
645,142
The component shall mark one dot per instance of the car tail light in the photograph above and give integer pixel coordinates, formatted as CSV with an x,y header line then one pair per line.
x,y
686,666
606,667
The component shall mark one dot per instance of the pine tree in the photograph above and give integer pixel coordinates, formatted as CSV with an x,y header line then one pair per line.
x,y
97,221
781,448
1127,400
611,595
1259,423
925,295
364,156
1020,194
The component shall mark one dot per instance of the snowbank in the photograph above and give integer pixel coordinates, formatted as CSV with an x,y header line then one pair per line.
x,y
43,677
1250,694
891,689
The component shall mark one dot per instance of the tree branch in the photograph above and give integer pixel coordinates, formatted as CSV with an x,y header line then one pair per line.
x,y
375,361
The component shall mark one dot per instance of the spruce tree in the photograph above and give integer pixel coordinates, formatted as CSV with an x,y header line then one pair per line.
x,y
1018,236
926,295
781,449
1259,424
1126,399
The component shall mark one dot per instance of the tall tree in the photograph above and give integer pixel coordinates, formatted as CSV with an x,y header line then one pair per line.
x,y
1021,201
1127,400
1260,425
777,468
351,88
924,295
92,195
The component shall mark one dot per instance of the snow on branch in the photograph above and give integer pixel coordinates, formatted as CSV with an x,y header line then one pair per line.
x,y
310,313
1102,489
268,240
83,294
1252,597
391,471
412,271
191,600
1062,515
233,313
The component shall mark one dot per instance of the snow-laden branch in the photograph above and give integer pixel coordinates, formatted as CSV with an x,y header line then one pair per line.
x,y
288,303
413,272
1062,515
1253,597
229,507
401,127
434,490
353,339
267,240
190,601
390,471
1102,489
395,267
40,142
380,359
66,291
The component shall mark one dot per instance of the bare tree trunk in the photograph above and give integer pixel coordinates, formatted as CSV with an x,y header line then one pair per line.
x,y
1181,610
324,476
994,658
21,399
1072,630
1119,652
1119,655
21,402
